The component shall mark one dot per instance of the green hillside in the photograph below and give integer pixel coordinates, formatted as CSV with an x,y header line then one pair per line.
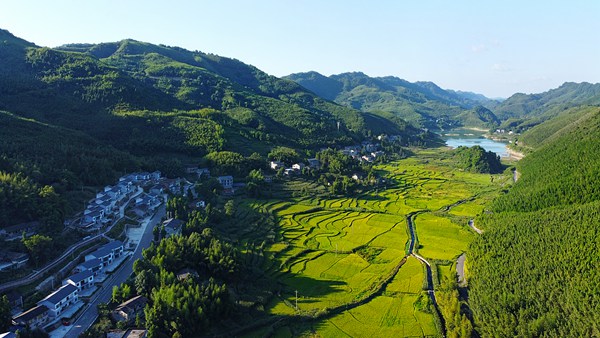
x,y
534,271
422,103
522,111
81,115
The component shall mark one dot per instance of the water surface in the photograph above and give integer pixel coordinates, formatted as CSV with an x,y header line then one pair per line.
x,y
463,137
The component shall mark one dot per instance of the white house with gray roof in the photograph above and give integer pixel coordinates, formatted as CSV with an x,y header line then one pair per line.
x,y
59,300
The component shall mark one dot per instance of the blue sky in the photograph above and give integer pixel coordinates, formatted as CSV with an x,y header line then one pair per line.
x,y
496,48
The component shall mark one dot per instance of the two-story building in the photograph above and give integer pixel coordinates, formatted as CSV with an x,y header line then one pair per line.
x,y
34,318
94,265
226,182
107,253
82,280
61,299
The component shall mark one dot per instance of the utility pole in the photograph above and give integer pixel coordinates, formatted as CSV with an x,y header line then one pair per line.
x,y
296,300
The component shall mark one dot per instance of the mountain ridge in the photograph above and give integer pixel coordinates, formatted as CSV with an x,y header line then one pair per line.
x,y
423,103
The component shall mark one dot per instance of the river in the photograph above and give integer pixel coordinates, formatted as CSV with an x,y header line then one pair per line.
x,y
466,137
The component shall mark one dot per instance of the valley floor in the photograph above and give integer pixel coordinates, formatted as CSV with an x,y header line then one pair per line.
x,y
344,266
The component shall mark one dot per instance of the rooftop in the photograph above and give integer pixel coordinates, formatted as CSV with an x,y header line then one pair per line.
x,y
22,226
31,313
78,277
107,248
58,295
133,303
92,263
173,223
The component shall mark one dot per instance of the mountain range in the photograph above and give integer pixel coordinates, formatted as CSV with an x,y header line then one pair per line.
x,y
422,103
108,108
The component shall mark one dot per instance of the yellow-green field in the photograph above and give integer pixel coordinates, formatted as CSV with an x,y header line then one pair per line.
x,y
336,251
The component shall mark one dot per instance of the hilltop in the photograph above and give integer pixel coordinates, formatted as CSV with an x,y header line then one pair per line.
x,y
521,111
422,103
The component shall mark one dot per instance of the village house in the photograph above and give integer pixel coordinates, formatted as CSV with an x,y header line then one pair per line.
x,y
34,318
94,265
298,166
226,182
142,211
157,189
289,171
93,216
357,177
314,163
16,232
275,165
149,200
155,175
82,280
172,185
377,154
173,226
107,253
128,310
59,300
367,158
10,260
186,273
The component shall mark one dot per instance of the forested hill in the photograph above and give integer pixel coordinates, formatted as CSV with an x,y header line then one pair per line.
x,y
523,110
535,270
422,103
80,115
80,85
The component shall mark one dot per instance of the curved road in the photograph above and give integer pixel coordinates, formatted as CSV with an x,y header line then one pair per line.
x,y
90,312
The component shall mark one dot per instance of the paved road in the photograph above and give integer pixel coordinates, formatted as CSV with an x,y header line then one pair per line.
x,y
90,313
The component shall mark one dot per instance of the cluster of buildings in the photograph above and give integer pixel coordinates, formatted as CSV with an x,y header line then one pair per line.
x,y
366,151
55,305
148,189
296,168
107,203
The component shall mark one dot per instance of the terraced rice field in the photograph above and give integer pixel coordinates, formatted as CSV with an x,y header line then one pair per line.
x,y
336,251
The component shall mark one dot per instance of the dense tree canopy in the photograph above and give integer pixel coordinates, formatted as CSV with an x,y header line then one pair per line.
x,y
534,271
476,159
